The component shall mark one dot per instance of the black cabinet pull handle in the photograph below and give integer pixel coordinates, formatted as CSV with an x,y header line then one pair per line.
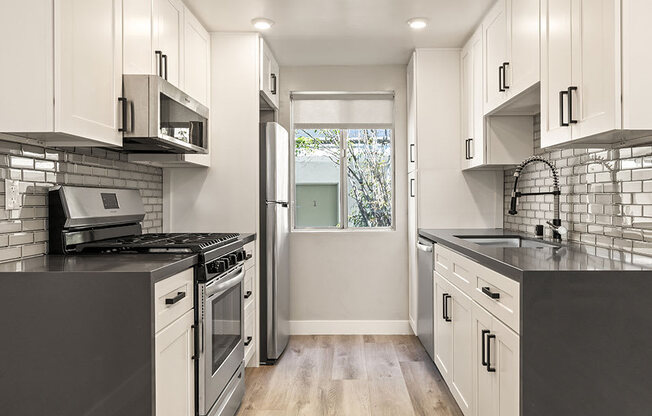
x,y
123,100
484,347
248,256
248,294
471,155
561,109
412,188
487,291
443,306
489,368
248,341
501,70
177,298
164,57
466,149
411,153
505,65
273,91
570,105
159,63
447,317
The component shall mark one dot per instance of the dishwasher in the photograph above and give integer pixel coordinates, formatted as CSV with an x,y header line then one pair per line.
x,y
425,295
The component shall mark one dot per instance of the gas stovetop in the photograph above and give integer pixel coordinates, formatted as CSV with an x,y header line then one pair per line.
x,y
165,242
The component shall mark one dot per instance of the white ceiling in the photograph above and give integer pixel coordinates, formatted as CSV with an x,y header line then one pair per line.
x,y
346,32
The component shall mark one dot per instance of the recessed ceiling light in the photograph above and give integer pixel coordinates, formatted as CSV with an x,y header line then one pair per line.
x,y
261,23
418,22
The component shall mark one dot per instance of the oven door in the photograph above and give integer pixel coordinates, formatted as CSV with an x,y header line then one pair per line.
x,y
221,344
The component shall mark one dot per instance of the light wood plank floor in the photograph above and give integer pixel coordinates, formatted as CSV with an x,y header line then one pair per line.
x,y
349,375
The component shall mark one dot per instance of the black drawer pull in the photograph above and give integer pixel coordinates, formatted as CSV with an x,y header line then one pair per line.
x,y
248,256
248,294
489,368
484,347
177,298
248,341
493,295
447,317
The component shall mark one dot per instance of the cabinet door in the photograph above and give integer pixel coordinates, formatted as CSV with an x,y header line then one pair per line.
x,y
269,74
443,328
460,312
473,150
555,71
196,58
137,31
88,69
505,355
412,114
523,26
595,67
412,250
494,29
466,66
168,30
174,368
484,379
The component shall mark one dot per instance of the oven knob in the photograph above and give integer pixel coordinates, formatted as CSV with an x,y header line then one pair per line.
x,y
241,255
212,267
233,259
222,265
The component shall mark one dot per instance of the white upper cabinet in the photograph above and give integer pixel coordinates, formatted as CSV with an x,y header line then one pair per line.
x,y
269,75
472,113
594,88
491,142
154,39
412,114
168,39
66,89
197,46
511,48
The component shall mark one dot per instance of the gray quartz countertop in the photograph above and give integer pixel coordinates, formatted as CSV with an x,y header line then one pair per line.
x,y
153,266
518,262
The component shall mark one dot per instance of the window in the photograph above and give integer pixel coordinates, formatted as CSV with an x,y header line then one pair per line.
x,y
343,161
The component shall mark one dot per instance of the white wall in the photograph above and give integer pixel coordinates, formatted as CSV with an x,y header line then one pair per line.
x,y
224,197
351,275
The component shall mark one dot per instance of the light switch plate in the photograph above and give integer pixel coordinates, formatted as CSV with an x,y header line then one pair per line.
x,y
12,194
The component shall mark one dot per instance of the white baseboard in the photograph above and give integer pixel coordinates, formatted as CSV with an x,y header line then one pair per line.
x,y
350,327
413,326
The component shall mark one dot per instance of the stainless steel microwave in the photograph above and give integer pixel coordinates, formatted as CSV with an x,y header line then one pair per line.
x,y
160,118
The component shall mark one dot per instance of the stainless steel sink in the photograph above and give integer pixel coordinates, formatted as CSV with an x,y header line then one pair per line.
x,y
507,241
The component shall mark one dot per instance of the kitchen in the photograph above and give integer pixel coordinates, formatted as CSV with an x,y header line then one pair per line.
x,y
355,208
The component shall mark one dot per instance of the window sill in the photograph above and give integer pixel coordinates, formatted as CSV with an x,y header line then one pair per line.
x,y
342,230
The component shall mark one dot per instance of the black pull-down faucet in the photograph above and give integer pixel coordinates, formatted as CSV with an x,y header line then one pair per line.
x,y
557,229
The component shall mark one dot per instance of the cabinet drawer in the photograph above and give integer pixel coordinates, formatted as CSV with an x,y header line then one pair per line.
x,y
250,331
250,249
458,269
249,287
179,294
506,301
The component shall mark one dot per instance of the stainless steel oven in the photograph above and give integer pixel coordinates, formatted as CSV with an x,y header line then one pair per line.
x,y
221,333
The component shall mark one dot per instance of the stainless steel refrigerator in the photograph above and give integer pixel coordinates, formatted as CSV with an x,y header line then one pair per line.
x,y
274,241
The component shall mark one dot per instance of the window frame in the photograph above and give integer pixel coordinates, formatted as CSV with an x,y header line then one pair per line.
x,y
343,185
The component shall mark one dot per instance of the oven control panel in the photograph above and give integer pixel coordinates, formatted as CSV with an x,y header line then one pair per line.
x,y
225,263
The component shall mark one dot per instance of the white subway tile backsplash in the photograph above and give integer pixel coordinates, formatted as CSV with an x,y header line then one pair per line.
x,y
606,200
24,232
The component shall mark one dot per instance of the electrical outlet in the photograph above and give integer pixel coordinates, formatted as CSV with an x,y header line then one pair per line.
x,y
12,194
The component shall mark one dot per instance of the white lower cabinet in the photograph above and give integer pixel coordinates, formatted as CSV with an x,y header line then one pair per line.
x,y
476,353
454,341
175,369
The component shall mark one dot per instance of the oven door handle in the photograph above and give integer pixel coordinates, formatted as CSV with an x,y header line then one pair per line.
x,y
228,281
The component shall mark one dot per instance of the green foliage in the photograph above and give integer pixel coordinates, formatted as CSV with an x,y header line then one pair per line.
x,y
368,165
